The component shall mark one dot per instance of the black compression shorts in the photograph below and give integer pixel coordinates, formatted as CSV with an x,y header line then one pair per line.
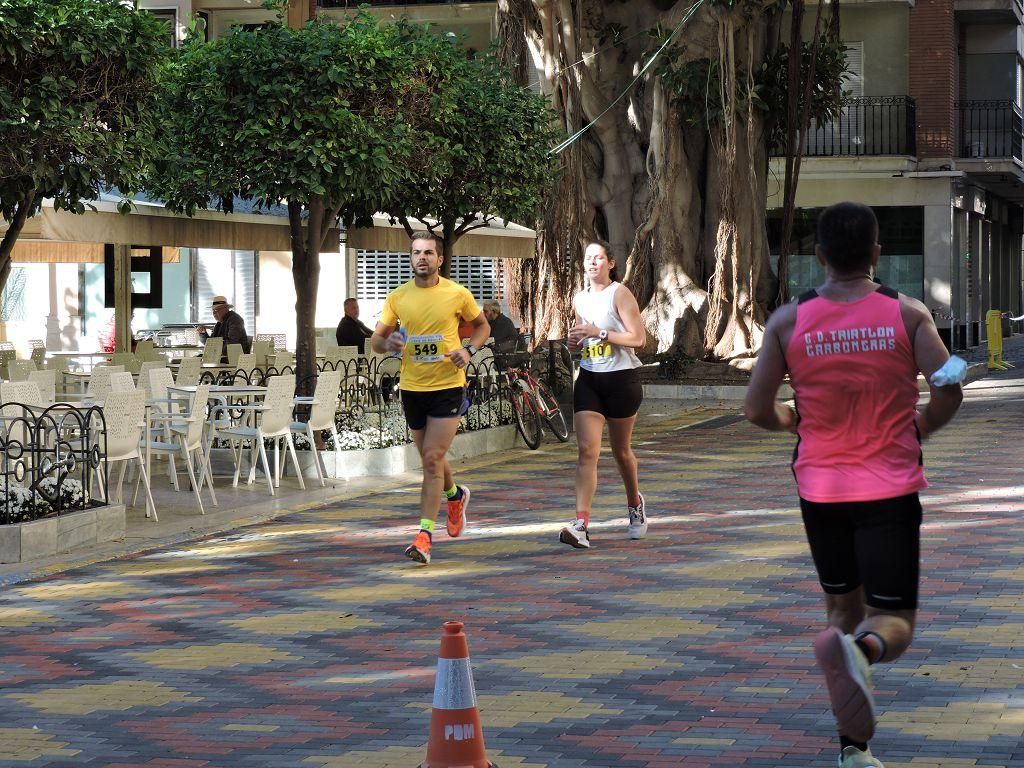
x,y
874,544
615,394
437,404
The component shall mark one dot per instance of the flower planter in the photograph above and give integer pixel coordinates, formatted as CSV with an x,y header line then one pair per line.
x,y
20,542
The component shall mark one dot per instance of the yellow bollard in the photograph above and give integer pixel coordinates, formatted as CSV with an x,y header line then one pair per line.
x,y
994,324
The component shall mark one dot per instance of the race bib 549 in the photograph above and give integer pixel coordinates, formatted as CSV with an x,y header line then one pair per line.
x,y
428,348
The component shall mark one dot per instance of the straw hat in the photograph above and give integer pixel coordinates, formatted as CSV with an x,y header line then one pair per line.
x,y
220,300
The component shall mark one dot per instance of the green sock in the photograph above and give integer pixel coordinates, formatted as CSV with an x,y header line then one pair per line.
x,y
452,492
427,526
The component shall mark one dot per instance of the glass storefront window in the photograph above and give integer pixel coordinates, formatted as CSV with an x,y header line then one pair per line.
x,y
901,233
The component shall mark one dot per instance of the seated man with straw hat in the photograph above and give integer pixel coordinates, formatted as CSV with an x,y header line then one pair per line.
x,y
230,327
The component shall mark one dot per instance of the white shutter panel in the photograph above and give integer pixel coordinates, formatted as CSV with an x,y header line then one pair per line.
x,y
244,263
853,78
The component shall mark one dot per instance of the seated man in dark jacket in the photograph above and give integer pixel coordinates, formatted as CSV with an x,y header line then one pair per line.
x,y
503,330
351,332
230,327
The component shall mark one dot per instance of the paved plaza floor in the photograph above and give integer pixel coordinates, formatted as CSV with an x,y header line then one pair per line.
x,y
309,641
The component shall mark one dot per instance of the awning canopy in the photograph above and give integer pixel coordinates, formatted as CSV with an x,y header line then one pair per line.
x,y
61,236
497,239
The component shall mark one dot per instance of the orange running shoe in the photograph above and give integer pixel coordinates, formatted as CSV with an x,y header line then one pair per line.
x,y
457,513
419,550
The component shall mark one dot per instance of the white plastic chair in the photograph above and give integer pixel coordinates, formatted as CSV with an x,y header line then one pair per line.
x,y
47,383
18,370
282,359
262,348
321,416
189,370
99,382
234,350
145,350
145,368
124,416
122,382
213,350
274,424
128,360
184,438
245,362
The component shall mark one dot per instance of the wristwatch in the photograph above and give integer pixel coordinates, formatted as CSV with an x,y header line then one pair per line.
x,y
602,335
471,349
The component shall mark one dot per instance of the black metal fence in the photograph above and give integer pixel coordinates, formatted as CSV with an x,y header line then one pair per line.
x,y
866,126
53,461
990,129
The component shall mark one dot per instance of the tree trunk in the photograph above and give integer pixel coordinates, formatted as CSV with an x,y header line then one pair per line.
x,y
22,211
306,243
683,209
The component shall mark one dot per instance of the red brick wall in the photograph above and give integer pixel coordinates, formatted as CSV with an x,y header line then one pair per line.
x,y
933,59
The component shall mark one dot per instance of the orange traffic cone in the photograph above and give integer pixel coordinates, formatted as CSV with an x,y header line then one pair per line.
x,y
456,738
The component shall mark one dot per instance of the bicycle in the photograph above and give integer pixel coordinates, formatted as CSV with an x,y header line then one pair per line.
x,y
531,400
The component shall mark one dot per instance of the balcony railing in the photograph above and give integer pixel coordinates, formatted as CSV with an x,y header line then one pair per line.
x,y
866,126
991,129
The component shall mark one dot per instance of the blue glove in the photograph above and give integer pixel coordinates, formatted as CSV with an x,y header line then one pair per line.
x,y
953,371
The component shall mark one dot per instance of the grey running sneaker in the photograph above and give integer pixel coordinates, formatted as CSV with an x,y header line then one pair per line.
x,y
637,520
575,534
851,757
847,674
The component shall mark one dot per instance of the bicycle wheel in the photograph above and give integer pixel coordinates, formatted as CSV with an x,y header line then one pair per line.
x,y
552,413
527,420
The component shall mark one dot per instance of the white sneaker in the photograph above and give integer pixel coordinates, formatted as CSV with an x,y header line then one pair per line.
x,y
851,757
575,534
637,520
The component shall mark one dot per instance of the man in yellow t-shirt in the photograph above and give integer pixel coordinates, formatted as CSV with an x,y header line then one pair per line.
x,y
433,377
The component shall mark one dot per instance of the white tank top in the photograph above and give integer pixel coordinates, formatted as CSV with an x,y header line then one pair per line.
x,y
598,308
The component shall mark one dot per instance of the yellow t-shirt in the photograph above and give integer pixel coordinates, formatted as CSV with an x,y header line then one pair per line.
x,y
430,317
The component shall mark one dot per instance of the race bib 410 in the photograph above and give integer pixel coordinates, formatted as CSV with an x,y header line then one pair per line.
x,y
426,349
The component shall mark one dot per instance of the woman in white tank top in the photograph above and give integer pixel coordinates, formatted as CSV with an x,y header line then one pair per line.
x,y
608,329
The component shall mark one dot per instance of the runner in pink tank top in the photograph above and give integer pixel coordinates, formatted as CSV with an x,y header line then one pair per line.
x,y
853,350
853,371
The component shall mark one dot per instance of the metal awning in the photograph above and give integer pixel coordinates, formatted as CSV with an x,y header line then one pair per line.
x,y
61,236
497,239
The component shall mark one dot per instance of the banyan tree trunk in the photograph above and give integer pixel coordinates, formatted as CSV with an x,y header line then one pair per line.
x,y
682,207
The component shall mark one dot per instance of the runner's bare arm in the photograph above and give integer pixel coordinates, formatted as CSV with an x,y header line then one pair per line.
x,y
635,334
760,405
575,335
930,354
385,341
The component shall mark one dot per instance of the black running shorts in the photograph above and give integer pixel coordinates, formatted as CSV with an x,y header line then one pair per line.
x,y
874,544
438,404
614,394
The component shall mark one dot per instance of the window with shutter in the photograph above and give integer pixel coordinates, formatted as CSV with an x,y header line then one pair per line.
x,y
231,274
380,272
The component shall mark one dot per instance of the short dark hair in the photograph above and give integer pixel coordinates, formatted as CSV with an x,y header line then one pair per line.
x,y
351,298
846,234
613,273
424,234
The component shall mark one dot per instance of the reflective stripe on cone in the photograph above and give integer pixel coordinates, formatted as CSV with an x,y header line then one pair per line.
x,y
456,738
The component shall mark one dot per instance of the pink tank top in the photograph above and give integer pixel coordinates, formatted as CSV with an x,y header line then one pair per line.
x,y
852,368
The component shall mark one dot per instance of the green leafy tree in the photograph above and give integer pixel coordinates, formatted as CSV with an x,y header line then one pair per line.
x,y
310,118
77,79
481,151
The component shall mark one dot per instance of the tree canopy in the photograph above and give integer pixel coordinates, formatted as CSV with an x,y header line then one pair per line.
x,y
77,79
339,121
483,149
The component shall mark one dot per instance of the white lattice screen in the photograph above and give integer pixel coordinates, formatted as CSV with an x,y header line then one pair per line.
x,y
380,272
